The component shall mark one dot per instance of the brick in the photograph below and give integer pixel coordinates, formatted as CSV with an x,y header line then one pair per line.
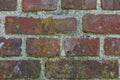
x,y
112,46
110,4
23,25
103,23
82,46
8,5
43,47
10,47
79,4
19,69
74,69
36,5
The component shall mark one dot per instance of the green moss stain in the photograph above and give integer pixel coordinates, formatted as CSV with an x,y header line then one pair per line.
x,y
10,20
17,26
50,24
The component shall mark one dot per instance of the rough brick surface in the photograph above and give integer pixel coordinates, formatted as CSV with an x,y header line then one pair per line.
x,y
19,69
43,47
8,5
82,69
82,46
79,4
104,23
112,46
111,4
36,5
22,25
10,47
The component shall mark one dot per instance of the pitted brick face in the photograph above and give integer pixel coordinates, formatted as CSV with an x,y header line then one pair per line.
x,y
10,47
112,46
19,69
79,4
101,24
8,5
82,46
110,4
76,69
43,47
25,25
37,5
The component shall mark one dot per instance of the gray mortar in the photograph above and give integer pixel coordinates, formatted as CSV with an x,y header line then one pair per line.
x,y
59,13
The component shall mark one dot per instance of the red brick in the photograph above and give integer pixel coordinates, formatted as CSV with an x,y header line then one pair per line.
x,y
23,25
43,47
36,5
82,46
19,69
112,46
74,69
10,47
8,5
104,23
111,4
79,4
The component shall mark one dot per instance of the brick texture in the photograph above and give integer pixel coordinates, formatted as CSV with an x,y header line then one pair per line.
x,y
81,69
82,46
59,39
79,4
8,5
104,23
111,4
36,5
112,46
23,25
19,69
43,47
10,47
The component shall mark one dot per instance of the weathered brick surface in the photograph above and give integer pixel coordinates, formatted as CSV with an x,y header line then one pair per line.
x,y
43,47
19,69
79,4
82,69
59,39
110,4
22,25
36,5
112,46
8,5
10,47
104,23
82,46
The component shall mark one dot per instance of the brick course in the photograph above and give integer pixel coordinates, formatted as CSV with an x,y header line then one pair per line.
x,y
59,39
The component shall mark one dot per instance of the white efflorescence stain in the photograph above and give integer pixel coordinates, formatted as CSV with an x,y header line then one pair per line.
x,y
1,44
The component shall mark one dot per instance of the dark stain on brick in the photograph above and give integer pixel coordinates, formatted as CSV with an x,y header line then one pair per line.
x,y
77,69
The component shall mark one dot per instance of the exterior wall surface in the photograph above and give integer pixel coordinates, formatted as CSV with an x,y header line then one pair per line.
x,y
59,39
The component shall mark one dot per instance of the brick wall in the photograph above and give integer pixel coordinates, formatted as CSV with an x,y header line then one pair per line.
x,y
59,39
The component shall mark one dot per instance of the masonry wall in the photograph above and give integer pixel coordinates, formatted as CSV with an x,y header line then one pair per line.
x,y
59,39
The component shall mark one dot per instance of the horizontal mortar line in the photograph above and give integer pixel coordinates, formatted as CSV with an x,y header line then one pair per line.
x,y
38,13
32,36
59,58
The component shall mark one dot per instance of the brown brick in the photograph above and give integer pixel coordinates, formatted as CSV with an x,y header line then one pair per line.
x,y
36,5
43,47
8,5
110,4
10,47
23,25
79,4
82,46
19,69
112,46
104,23
74,69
